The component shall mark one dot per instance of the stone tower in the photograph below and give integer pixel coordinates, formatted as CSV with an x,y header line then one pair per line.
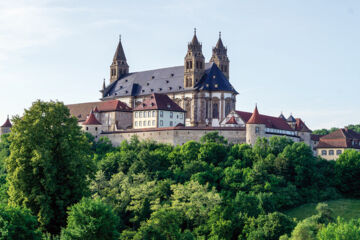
x,y
255,128
119,65
194,63
92,125
220,58
6,127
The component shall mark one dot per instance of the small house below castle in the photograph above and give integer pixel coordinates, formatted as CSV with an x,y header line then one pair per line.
x,y
158,111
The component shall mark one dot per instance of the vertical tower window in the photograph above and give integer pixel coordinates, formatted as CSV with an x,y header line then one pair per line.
x,y
227,108
215,110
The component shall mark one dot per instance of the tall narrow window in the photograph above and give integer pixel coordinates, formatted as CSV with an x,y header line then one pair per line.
x,y
227,108
206,109
215,110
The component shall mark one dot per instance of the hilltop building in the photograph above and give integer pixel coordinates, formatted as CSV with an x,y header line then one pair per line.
x,y
333,144
178,104
6,127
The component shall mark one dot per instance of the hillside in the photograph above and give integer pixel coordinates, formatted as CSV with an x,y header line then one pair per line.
x,y
345,208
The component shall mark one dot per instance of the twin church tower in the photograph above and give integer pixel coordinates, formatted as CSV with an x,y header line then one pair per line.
x,y
200,88
194,62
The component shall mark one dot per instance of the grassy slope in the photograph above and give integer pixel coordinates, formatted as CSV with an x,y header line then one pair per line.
x,y
345,208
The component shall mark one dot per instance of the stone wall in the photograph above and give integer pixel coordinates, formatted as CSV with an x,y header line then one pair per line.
x,y
176,135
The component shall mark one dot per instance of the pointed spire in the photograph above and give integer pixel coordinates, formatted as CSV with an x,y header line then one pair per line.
x,y
255,117
219,43
91,120
7,123
291,118
282,116
194,40
103,88
119,53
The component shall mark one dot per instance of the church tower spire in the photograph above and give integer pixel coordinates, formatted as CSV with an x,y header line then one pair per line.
x,y
194,63
119,65
220,58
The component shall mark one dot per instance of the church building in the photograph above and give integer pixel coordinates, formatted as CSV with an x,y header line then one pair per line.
x,y
201,88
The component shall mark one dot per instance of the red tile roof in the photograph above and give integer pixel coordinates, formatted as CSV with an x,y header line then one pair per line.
x,y
232,120
81,110
269,121
7,123
341,138
301,126
91,120
255,117
158,101
113,106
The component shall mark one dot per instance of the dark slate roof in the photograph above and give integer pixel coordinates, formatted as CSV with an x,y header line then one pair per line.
x,y
165,80
159,102
215,80
282,116
291,119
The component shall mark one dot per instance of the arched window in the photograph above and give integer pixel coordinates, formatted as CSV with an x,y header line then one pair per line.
x,y
227,108
215,110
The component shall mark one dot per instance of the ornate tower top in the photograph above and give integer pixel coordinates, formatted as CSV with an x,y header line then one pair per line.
x,y
119,65
220,58
194,63
119,53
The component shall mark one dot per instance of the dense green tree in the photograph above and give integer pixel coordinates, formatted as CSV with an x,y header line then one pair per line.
x,y
213,137
194,201
164,224
347,169
49,164
340,230
91,220
269,227
18,223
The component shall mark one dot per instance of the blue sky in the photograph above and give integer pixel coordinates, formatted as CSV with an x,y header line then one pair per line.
x,y
295,56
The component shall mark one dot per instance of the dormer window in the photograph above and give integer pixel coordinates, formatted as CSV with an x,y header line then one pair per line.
x,y
144,104
168,106
214,76
147,84
172,74
167,81
152,77
126,80
143,90
216,86
160,89
170,88
126,91
151,90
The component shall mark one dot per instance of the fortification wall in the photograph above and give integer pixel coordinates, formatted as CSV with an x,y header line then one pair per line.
x,y
176,135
